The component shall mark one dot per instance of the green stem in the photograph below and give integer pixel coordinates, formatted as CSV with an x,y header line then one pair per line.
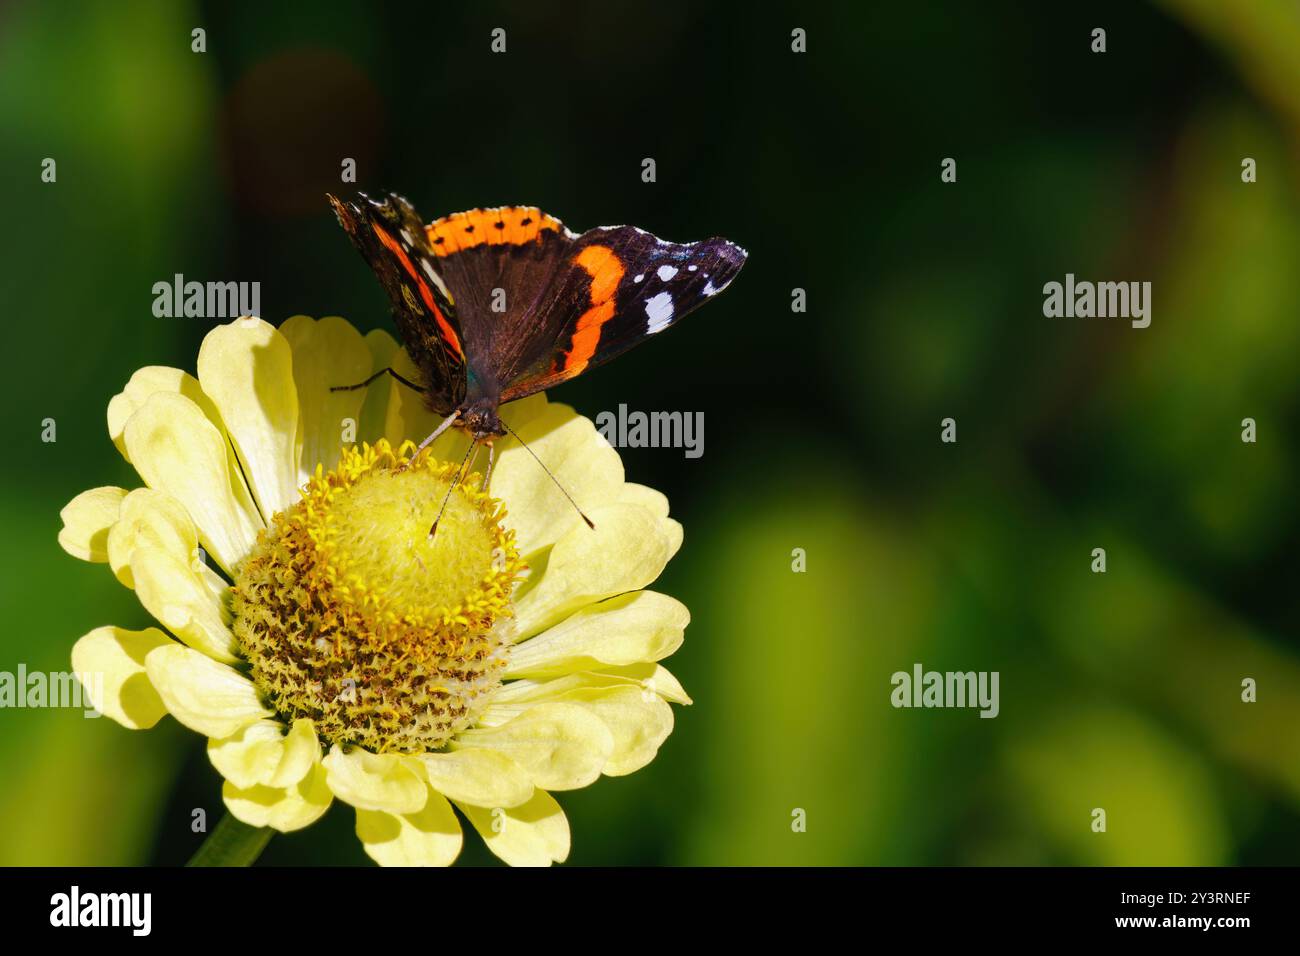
x,y
232,844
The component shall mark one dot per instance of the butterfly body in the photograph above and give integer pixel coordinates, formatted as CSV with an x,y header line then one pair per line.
x,y
497,304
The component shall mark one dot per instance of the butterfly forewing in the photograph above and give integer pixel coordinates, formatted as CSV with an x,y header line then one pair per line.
x,y
391,237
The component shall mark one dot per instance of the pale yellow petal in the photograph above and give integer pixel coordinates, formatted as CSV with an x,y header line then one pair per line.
x,y
653,677
486,778
634,627
284,809
246,367
573,451
326,354
518,414
624,552
87,520
561,746
513,698
172,381
263,754
154,519
157,521
656,502
429,837
369,781
144,383
638,719
533,834
250,756
407,417
301,753
110,663
204,695
170,590
177,450
517,697
379,394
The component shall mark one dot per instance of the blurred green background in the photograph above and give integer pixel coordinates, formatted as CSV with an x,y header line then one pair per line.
x,y
821,430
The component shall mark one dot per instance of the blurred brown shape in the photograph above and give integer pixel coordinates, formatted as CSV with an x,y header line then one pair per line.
x,y
288,124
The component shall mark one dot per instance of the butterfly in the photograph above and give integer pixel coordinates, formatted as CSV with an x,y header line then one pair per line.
x,y
496,304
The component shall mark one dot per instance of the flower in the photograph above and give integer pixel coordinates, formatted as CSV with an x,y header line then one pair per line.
x,y
337,649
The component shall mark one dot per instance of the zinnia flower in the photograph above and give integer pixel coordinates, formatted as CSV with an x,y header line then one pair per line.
x,y
336,649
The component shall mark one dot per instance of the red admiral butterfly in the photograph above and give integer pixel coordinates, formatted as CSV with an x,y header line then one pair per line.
x,y
496,304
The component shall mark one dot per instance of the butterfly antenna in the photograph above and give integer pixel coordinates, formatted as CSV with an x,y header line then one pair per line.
x,y
452,487
549,475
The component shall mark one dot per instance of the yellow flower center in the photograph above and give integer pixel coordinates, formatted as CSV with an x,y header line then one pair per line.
x,y
352,614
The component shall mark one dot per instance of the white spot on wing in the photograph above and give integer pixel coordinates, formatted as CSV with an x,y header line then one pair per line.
x,y
691,268
434,277
659,312
709,289
638,278
667,272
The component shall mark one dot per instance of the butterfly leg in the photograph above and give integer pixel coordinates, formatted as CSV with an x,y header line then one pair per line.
x,y
446,423
405,381
433,437
487,475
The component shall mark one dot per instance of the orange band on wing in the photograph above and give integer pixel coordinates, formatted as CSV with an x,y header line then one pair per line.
x,y
509,225
587,336
448,333
606,271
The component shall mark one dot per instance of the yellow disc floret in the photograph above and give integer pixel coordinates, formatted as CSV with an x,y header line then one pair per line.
x,y
353,614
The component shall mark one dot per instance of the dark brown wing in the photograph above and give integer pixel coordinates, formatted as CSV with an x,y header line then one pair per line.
x,y
540,304
621,285
500,265
391,238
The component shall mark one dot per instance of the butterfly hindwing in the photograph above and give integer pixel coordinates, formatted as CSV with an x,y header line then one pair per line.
x,y
615,287
391,237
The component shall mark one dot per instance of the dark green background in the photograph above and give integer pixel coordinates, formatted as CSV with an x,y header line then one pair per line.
x,y
821,430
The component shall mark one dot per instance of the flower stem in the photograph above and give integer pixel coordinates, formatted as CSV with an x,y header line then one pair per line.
x,y
232,843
